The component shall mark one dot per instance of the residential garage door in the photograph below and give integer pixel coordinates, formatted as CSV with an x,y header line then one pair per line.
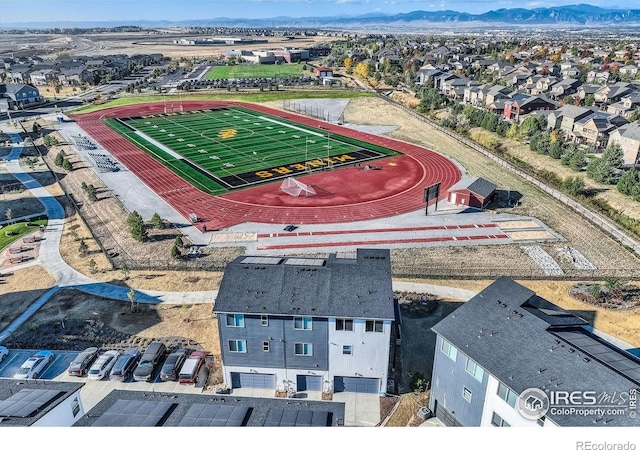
x,y
253,380
309,383
355,384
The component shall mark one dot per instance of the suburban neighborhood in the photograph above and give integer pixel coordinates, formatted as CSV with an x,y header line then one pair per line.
x,y
349,221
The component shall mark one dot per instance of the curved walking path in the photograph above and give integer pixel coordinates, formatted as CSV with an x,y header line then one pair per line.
x,y
67,277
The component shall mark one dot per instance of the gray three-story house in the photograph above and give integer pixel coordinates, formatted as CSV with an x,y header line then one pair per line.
x,y
315,324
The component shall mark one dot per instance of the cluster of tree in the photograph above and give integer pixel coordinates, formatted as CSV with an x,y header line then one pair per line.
x,y
629,184
61,160
91,191
432,100
137,227
605,169
486,120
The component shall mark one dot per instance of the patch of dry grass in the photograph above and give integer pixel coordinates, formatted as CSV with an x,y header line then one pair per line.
x,y
15,298
405,414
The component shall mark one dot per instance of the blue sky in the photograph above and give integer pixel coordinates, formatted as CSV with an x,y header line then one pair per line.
x,y
12,11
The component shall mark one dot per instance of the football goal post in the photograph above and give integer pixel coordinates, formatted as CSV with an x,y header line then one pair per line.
x,y
295,188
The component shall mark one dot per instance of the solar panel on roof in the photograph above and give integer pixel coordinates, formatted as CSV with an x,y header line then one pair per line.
x,y
213,415
288,418
320,419
304,262
267,260
273,417
27,402
623,363
304,418
133,413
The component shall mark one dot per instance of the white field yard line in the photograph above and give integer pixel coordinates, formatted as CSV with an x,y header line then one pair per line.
x,y
158,144
268,119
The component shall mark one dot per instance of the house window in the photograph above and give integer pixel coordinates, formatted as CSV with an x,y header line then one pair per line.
x,y
449,350
344,324
507,395
264,321
265,346
302,323
301,349
235,320
75,407
373,326
347,349
498,421
237,346
466,394
474,369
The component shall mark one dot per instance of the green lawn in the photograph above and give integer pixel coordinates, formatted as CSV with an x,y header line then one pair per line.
x,y
255,71
226,148
20,229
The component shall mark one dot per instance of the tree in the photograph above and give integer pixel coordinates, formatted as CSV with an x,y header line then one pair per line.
x,y
157,221
629,184
92,193
125,270
635,115
604,169
49,140
573,185
589,100
9,215
131,295
83,247
66,165
348,64
178,242
137,227
59,159
93,266
175,251
556,149
513,131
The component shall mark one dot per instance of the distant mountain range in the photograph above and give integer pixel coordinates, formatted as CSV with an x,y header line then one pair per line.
x,y
571,15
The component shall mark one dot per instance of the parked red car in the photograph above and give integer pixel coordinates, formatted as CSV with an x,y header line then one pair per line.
x,y
191,367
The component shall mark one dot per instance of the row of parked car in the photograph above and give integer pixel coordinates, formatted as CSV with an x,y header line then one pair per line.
x,y
180,364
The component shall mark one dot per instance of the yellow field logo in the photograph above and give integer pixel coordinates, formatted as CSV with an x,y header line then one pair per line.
x,y
228,133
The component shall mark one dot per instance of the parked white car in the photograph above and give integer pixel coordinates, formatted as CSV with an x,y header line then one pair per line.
x,y
34,366
3,353
103,365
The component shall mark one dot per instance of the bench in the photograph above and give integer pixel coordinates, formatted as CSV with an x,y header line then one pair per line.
x,y
18,259
22,248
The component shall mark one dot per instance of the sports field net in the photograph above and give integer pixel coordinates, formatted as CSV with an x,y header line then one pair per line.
x,y
295,188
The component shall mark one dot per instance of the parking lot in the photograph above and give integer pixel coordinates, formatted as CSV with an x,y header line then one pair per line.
x,y
93,390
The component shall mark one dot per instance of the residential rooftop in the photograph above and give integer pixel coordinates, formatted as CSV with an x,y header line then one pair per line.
x,y
335,286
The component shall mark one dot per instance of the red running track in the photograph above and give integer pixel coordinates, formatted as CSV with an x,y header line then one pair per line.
x,y
345,195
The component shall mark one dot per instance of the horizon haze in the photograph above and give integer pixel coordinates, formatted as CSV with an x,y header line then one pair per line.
x,y
50,12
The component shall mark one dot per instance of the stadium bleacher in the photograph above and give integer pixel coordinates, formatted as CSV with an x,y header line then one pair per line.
x,y
84,143
104,162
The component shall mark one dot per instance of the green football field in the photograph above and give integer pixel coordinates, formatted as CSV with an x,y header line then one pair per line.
x,y
227,148
255,71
